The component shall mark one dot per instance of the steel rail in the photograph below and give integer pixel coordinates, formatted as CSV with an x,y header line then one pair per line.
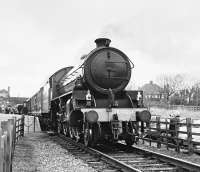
x,y
182,164
120,165
115,162
179,163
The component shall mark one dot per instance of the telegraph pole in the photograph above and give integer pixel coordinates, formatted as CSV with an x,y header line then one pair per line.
x,y
8,93
197,96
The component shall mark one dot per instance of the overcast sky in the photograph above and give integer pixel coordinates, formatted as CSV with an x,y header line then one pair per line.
x,y
38,37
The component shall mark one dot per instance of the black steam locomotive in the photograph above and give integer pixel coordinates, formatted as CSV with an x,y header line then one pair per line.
x,y
89,103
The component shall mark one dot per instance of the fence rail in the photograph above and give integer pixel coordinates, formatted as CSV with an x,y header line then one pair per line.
x,y
179,107
10,132
168,132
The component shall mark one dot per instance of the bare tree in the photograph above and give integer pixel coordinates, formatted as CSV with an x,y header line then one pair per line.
x,y
171,83
195,94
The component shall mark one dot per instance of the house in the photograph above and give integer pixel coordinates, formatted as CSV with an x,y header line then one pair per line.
x,y
6,99
153,92
4,93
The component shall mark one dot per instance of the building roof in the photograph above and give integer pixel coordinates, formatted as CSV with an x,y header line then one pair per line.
x,y
3,91
151,88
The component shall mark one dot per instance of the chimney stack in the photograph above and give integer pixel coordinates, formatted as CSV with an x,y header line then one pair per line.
x,y
9,91
102,42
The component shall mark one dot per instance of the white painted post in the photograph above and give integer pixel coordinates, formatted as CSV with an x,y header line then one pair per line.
x,y
1,150
4,148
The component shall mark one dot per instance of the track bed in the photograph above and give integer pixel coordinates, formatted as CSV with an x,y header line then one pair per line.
x,y
119,157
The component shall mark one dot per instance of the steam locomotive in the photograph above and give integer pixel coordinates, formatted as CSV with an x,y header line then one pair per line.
x,y
89,102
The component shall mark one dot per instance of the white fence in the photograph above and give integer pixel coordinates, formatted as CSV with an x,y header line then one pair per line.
x,y
11,128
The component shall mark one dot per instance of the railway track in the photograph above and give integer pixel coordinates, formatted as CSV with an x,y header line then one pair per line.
x,y
119,158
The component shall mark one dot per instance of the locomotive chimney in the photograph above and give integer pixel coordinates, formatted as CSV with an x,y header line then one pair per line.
x,y
102,42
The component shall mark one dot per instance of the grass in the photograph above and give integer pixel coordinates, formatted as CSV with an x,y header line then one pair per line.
x,y
165,113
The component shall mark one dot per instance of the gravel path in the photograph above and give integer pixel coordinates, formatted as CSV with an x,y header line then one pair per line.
x,y
37,152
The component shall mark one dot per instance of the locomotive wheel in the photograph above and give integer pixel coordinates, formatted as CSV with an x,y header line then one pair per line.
x,y
71,135
77,137
130,140
87,135
59,129
91,135
95,133
65,130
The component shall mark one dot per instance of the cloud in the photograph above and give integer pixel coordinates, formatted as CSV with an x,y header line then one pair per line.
x,y
40,37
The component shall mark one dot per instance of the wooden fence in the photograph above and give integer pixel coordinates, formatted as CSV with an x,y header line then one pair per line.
x,y
10,132
168,132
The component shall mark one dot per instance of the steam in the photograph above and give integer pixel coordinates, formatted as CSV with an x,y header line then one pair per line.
x,y
157,44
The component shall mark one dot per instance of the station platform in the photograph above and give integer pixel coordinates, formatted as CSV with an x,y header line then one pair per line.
x,y
23,154
31,124
24,151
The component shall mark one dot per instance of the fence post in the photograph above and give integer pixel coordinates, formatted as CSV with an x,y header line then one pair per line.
x,y
14,133
22,126
167,133
34,124
149,131
12,122
176,134
10,138
7,133
16,130
7,150
1,150
7,145
158,130
189,135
